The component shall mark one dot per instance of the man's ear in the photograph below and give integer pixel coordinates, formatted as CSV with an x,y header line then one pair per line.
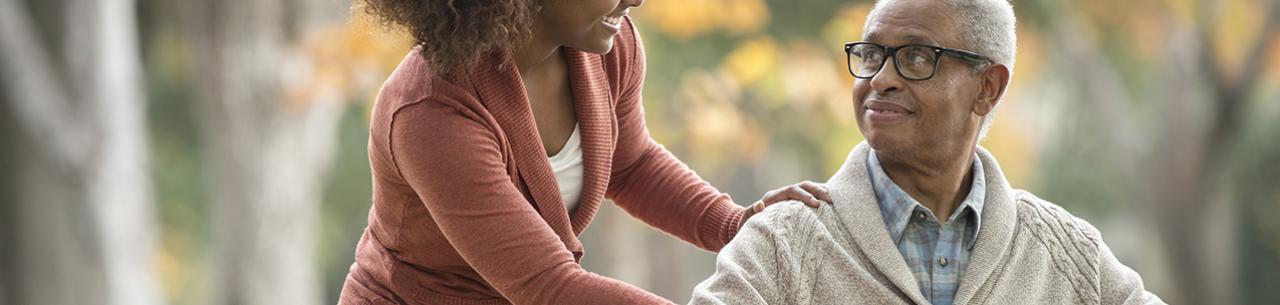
x,y
994,81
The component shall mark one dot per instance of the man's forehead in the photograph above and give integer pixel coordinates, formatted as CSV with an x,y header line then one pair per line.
x,y
901,38
910,22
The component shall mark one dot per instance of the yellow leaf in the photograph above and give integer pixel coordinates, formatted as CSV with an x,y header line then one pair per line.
x,y
847,24
752,60
1239,25
680,19
1030,56
335,60
744,16
1008,140
809,76
1275,57
688,19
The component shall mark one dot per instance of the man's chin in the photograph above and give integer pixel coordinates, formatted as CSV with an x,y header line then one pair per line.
x,y
882,142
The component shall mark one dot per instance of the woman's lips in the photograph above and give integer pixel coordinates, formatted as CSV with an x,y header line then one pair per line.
x,y
613,22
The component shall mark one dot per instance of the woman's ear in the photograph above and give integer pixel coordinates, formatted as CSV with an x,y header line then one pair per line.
x,y
994,80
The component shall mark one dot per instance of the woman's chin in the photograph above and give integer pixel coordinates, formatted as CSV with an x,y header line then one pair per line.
x,y
600,47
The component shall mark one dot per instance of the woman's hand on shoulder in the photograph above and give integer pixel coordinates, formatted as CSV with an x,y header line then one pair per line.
x,y
813,194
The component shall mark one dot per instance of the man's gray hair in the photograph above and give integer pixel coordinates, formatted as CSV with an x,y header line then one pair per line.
x,y
989,30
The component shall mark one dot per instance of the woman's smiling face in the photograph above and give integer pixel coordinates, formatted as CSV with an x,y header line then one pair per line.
x,y
587,25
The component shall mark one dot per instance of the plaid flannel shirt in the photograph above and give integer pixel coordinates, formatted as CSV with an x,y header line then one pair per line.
x,y
936,252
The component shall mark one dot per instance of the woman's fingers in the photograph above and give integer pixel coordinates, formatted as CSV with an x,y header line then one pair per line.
x,y
797,193
812,194
817,190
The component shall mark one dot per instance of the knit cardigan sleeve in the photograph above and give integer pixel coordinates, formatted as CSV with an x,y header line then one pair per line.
x,y
455,164
1081,255
648,182
1119,285
756,267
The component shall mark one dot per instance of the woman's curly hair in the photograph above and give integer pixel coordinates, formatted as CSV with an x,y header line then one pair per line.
x,y
453,35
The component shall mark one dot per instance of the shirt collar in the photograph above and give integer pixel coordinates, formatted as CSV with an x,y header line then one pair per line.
x,y
896,206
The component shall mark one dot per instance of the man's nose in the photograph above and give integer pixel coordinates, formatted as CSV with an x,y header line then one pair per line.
x,y
887,80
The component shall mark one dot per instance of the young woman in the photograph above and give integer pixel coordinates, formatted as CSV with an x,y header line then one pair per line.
x,y
493,144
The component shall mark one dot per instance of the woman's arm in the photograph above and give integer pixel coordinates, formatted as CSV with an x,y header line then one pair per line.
x,y
647,181
454,164
652,185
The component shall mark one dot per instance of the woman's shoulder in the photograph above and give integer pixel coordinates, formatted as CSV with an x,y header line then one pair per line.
x,y
414,81
415,89
414,84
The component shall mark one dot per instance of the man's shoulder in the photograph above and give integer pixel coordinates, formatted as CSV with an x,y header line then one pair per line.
x,y
794,212
1049,222
791,219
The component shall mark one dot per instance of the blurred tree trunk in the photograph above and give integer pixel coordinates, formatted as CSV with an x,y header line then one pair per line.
x,y
82,221
1201,111
268,151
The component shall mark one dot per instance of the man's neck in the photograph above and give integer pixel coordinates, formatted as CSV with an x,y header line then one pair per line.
x,y
938,182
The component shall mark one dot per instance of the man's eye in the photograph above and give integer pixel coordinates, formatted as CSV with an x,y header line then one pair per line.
x,y
917,58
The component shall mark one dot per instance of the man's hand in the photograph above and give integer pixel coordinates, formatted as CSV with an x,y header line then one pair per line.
x,y
811,193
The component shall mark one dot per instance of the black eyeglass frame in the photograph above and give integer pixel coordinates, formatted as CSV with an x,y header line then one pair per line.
x,y
892,52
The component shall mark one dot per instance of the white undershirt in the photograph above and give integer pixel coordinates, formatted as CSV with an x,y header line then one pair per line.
x,y
567,165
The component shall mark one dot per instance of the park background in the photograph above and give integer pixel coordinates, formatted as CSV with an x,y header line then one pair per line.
x,y
213,152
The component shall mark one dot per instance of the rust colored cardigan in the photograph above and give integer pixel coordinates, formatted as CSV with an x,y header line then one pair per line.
x,y
466,209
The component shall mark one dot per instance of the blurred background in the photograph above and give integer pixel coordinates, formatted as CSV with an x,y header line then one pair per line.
x,y
214,151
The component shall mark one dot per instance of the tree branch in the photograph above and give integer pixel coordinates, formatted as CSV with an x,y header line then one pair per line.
x,y
37,97
1253,62
1232,92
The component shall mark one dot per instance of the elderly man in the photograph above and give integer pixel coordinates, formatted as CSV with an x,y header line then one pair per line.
x,y
921,215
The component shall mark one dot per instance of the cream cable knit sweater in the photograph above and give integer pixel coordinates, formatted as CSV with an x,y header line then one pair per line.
x,y
1029,251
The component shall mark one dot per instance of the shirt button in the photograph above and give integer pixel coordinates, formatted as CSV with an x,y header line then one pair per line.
x,y
921,216
942,261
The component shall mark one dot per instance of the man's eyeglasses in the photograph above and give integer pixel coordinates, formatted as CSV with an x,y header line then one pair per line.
x,y
913,61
